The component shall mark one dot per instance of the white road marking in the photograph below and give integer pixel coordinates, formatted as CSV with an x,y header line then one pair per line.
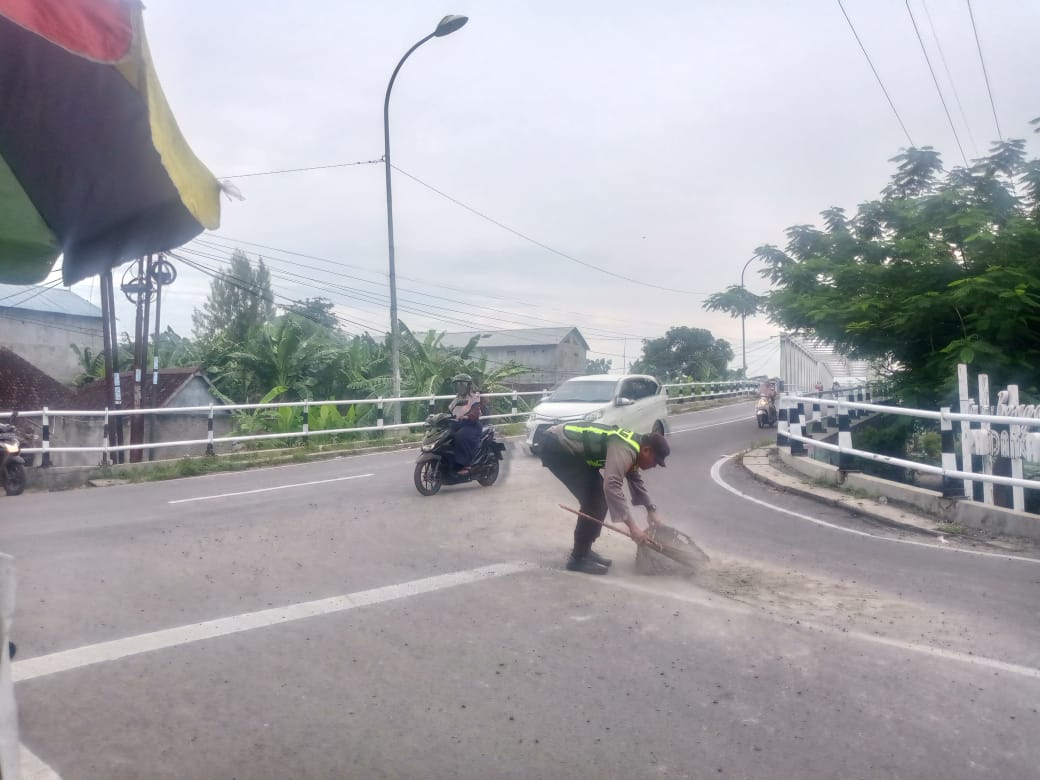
x,y
708,425
717,477
266,489
33,768
938,652
65,660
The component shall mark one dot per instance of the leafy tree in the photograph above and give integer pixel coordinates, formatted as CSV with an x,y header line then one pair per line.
x,y
91,365
736,301
280,355
685,354
240,300
941,269
319,311
597,366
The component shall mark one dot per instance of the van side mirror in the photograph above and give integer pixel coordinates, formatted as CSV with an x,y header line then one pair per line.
x,y
622,401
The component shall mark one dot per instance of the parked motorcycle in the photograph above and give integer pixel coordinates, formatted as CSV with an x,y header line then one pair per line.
x,y
765,412
436,464
12,464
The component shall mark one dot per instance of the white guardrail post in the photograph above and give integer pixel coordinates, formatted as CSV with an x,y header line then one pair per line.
x,y
10,760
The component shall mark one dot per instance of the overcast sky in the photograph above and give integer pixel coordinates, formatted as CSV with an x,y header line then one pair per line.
x,y
661,143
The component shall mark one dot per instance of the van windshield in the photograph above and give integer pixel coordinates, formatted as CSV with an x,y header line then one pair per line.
x,y
590,392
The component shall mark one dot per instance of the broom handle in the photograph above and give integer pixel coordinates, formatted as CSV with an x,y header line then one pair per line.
x,y
648,542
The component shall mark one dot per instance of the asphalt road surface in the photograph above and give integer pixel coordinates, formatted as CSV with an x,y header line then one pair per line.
x,y
326,621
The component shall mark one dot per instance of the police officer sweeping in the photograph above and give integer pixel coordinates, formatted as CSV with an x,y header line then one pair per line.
x,y
575,453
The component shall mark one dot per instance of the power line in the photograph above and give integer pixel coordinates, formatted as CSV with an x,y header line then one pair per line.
x,y
935,81
359,295
949,76
985,74
473,306
539,243
876,75
298,170
232,242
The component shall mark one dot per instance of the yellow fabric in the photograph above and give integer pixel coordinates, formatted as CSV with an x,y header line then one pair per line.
x,y
198,188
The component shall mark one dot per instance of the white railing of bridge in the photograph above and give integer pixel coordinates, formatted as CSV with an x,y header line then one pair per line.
x,y
683,392
1013,432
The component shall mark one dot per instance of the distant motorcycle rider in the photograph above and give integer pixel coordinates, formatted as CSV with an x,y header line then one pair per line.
x,y
466,408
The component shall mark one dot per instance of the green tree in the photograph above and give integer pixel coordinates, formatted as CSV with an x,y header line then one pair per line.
x,y
736,301
240,300
597,366
318,311
941,269
685,354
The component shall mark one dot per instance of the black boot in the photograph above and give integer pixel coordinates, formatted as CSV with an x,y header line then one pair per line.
x,y
585,564
596,557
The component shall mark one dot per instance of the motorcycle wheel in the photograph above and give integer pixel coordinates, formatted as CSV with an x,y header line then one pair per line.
x,y
760,423
14,479
428,478
487,479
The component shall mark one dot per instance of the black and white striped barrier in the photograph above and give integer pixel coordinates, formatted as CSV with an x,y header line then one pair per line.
x,y
46,459
951,487
844,439
797,447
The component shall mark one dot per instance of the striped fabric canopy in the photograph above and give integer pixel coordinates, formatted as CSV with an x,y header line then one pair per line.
x,y
92,164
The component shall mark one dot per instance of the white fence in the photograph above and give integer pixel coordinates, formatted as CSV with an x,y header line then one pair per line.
x,y
683,392
1008,430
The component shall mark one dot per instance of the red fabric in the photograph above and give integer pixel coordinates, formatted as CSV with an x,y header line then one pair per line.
x,y
100,30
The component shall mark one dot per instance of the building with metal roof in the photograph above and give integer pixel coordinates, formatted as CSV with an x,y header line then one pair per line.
x,y
41,324
551,355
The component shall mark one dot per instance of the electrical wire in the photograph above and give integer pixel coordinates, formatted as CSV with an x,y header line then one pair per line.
x,y
985,73
876,75
298,170
935,81
539,243
546,322
949,77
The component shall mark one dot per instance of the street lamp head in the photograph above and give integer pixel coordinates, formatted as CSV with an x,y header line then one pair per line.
x,y
449,24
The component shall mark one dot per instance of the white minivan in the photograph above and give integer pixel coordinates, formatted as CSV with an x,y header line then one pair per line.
x,y
636,402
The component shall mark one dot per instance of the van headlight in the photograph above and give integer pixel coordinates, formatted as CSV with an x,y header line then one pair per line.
x,y
593,416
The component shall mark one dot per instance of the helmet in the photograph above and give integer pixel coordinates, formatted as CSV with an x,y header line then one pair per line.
x,y
462,378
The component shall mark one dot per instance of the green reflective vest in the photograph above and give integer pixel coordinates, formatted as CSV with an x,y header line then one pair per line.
x,y
594,438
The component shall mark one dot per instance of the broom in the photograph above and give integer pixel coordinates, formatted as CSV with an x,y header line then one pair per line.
x,y
680,547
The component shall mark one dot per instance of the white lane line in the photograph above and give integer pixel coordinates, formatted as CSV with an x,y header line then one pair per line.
x,y
899,644
65,660
707,425
716,474
33,768
266,489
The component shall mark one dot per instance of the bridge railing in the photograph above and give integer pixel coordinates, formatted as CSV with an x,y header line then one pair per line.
x,y
1015,436
515,406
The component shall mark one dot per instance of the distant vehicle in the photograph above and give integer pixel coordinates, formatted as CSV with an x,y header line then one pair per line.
x,y
636,402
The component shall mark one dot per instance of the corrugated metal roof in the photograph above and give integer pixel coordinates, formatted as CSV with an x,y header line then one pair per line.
x,y
521,337
56,300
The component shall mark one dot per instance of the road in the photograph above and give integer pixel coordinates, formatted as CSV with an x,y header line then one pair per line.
x,y
325,621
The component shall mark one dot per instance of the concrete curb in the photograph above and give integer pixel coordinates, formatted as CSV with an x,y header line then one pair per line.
x,y
905,506
759,463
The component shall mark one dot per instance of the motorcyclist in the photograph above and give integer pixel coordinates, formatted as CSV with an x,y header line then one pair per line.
x,y
466,408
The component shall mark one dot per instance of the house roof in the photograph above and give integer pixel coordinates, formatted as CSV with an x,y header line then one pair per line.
x,y
24,387
521,337
55,300
171,380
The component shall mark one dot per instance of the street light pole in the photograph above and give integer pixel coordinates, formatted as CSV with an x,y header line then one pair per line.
x,y
743,338
446,26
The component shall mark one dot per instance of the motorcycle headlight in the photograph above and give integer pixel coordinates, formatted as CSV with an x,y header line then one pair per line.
x,y
10,446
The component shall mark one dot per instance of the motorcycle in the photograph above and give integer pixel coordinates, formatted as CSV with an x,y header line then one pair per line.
x,y
436,464
765,412
12,464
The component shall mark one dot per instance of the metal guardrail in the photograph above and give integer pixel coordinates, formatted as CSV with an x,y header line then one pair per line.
x,y
1019,442
688,391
